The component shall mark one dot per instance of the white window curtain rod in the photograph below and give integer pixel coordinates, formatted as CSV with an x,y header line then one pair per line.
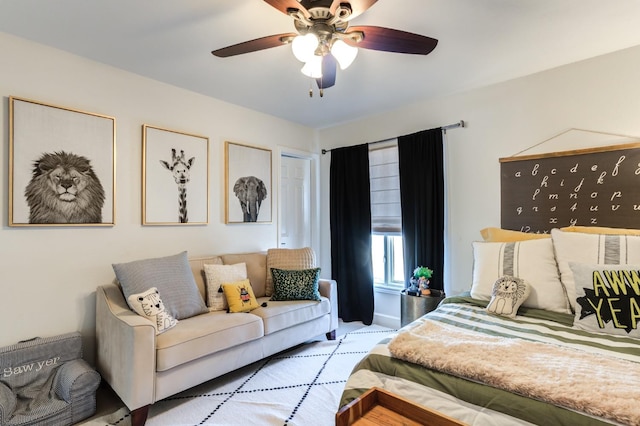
x,y
443,128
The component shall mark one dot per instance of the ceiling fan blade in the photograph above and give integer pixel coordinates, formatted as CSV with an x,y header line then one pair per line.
x,y
357,6
254,45
284,5
389,40
329,66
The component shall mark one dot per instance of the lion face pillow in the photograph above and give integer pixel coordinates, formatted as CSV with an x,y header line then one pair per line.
x,y
149,305
507,296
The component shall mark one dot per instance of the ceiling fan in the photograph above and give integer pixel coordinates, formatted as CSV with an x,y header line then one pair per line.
x,y
325,40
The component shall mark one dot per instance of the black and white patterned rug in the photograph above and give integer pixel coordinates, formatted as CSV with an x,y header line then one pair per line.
x,y
302,386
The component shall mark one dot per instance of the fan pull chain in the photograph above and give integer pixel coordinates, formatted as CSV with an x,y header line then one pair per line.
x,y
321,91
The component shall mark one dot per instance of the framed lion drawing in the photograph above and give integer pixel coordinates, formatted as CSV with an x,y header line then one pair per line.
x,y
61,166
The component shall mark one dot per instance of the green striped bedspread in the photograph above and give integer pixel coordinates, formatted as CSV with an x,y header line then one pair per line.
x,y
475,403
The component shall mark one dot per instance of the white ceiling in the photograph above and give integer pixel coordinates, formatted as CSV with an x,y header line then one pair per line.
x,y
480,42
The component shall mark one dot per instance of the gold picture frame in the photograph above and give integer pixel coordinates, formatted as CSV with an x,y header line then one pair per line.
x,y
248,191
62,165
175,169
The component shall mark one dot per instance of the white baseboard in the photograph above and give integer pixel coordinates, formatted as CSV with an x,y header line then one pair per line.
x,y
386,320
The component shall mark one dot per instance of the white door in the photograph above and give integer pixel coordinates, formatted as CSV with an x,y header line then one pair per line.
x,y
295,202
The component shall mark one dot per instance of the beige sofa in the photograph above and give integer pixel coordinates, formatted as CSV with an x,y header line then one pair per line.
x,y
143,367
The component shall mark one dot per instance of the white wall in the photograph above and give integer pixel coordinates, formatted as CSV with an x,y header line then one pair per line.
x,y
601,94
49,275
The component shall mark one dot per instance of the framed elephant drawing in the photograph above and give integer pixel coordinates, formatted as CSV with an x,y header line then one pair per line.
x,y
248,192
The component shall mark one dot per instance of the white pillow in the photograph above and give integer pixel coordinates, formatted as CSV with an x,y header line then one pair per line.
x,y
149,305
607,298
592,249
530,260
217,275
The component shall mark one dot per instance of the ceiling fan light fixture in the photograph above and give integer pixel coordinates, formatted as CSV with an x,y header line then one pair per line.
x,y
344,54
304,46
313,67
324,39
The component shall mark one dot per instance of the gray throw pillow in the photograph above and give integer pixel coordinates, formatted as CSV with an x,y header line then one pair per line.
x,y
172,277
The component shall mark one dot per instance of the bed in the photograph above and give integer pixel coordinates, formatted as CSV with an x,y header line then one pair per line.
x,y
569,354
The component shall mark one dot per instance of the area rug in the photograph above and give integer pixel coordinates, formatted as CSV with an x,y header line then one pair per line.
x,y
299,387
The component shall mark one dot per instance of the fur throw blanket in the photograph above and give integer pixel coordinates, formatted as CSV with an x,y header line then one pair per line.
x,y
591,383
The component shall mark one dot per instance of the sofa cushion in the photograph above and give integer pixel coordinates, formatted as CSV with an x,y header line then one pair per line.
x,y
197,268
218,274
302,258
256,268
203,335
295,285
149,304
173,278
283,314
240,297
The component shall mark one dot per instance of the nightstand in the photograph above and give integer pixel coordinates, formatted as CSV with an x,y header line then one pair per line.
x,y
413,307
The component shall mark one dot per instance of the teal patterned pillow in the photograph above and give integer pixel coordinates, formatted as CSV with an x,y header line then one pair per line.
x,y
300,284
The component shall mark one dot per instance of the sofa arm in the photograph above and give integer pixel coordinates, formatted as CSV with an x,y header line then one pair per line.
x,y
75,380
7,403
329,289
125,348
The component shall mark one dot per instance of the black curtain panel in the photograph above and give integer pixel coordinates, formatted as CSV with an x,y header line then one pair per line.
x,y
421,163
350,215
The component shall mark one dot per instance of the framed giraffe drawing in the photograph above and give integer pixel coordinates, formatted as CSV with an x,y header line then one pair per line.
x,y
175,177
248,191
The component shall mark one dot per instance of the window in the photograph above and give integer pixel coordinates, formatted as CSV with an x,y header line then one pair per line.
x,y
384,178
388,260
386,216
